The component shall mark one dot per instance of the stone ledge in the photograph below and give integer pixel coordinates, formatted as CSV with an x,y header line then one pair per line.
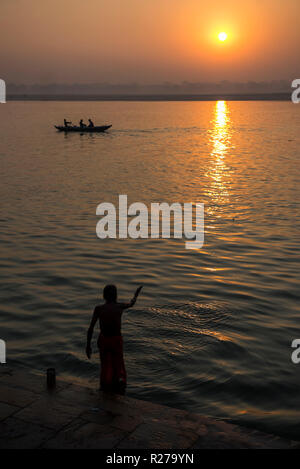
x,y
76,416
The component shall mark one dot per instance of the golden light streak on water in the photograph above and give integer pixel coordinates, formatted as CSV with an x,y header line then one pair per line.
x,y
220,140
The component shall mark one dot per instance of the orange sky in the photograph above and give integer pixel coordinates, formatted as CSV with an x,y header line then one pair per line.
x,y
148,41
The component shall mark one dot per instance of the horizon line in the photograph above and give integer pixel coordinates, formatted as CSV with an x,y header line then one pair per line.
x,y
275,96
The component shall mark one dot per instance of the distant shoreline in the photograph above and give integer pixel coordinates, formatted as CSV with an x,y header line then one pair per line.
x,y
157,97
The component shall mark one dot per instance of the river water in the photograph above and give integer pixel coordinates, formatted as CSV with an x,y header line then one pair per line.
x,y
212,329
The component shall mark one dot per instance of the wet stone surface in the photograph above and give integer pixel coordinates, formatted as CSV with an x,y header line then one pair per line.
x,y
75,416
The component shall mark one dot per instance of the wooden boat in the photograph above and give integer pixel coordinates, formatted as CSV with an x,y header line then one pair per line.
x,y
74,128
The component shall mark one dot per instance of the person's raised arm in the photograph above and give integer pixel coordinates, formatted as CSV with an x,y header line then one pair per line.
x,y
90,333
132,302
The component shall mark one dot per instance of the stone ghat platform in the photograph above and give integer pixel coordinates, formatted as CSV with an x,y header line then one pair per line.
x,y
75,416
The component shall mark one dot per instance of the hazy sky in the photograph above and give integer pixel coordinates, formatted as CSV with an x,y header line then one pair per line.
x,y
148,41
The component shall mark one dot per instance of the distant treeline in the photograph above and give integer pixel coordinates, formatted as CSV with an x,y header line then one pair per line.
x,y
163,89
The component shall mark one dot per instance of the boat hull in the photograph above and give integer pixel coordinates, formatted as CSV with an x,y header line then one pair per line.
x,y
101,128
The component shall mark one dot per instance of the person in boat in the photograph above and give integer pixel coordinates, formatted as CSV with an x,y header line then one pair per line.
x,y
82,124
66,123
91,123
110,342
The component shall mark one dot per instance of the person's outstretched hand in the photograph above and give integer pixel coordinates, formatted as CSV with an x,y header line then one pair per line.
x,y
138,291
88,352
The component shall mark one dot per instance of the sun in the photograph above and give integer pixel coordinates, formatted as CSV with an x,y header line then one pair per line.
x,y
222,36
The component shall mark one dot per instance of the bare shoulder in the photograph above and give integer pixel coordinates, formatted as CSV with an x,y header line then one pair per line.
x,y
98,309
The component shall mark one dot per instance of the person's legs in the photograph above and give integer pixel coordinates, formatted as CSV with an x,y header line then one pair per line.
x,y
113,372
106,364
119,371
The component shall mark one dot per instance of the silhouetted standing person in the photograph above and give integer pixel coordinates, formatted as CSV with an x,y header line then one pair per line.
x,y
110,341
66,123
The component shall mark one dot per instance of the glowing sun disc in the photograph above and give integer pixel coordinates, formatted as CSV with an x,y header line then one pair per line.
x,y
222,36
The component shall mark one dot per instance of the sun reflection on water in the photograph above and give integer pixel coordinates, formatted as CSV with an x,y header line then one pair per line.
x,y
220,141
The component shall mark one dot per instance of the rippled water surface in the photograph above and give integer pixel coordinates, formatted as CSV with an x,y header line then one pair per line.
x,y
212,330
